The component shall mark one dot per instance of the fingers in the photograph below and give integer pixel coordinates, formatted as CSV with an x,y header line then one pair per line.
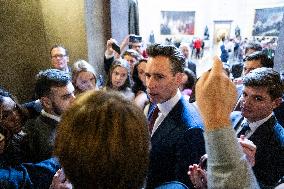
x,y
217,67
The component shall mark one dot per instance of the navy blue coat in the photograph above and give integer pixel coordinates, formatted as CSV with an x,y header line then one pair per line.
x,y
29,175
177,143
269,157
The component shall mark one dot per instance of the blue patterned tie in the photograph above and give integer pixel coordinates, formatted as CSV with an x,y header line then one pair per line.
x,y
244,130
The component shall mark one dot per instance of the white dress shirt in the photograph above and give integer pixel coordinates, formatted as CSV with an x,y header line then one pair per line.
x,y
54,117
254,125
165,108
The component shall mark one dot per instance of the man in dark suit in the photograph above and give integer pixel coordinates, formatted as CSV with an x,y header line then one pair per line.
x,y
176,133
56,93
261,94
60,58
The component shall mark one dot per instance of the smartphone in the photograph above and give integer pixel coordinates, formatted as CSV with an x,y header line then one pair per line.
x,y
115,47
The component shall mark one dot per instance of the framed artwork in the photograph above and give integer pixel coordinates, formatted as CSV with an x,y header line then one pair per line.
x,y
221,29
267,22
177,22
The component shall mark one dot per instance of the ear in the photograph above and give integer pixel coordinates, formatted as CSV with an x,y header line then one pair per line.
x,y
46,102
179,77
277,102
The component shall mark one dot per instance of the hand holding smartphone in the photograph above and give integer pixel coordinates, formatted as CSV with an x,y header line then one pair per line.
x,y
115,47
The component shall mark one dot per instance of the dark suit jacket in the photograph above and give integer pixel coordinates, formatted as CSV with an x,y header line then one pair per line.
x,y
269,158
191,66
177,143
40,138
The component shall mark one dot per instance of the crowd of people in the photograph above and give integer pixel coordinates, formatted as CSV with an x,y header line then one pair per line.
x,y
153,124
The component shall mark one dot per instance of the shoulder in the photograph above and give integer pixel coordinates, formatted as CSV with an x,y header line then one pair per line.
x,y
279,134
187,114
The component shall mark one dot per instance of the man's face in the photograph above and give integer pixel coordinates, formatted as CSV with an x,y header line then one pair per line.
x,y
161,83
61,98
136,47
251,65
59,58
256,103
185,51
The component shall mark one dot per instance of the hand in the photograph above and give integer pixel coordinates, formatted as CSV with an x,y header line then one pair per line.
x,y
59,181
249,149
216,96
197,176
109,49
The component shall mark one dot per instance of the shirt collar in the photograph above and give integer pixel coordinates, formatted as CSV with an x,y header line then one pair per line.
x,y
54,117
254,125
167,106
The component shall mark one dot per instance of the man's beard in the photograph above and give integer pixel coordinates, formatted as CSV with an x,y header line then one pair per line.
x,y
56,109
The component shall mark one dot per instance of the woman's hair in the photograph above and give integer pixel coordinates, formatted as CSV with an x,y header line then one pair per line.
x,y
81,66
119,63
191,79
138,84
103,142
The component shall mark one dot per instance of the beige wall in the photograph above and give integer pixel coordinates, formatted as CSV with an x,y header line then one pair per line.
x,y
28,29
64,23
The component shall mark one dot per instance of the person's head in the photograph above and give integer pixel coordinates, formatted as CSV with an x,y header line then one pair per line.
x,y
188,80
138,76
55,90
83,76
131,56
103,142
119,75
184,47
262,93
251,47
59,57
164,72
12,115
255,60
135,43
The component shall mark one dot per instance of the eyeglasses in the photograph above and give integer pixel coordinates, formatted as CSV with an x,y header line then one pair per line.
x,y
58,56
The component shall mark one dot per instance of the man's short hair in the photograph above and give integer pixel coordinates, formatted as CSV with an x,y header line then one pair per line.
x,y
103,142
265,77
49,78
265,61
57,46
177,59
256,46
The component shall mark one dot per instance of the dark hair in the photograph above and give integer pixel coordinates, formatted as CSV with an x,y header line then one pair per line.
x,y
191,79
131,52
256,46
119,63
103,142
138,84
177,59
57,46
23,112
265,61
50,78
265,77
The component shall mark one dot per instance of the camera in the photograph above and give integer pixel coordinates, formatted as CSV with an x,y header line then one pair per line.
x,y
135,39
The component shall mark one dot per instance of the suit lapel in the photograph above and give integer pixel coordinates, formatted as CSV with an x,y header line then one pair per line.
x,y
168,124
